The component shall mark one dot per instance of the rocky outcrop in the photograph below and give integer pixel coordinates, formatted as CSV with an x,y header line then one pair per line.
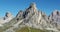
x,y
7,15
7,18
55,19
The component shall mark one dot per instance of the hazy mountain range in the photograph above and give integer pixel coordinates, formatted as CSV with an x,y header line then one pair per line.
x,y
31,17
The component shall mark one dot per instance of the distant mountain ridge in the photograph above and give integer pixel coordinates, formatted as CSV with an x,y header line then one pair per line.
x,y
31,17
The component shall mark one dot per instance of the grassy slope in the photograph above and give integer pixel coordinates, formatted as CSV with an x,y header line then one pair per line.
x,y
27,29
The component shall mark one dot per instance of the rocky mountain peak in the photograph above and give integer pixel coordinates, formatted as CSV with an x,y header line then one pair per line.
x,y
8,14
55,18
31,17
56,12
20,13
32,7
33,4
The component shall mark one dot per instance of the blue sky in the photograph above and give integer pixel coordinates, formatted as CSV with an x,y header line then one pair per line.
x,y
14,6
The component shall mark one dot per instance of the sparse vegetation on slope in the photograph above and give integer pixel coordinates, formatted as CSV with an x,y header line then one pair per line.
x,y
29,29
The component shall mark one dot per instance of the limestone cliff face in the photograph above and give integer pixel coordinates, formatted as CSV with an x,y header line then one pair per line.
x,y
7,15
55,18
7,18
32,17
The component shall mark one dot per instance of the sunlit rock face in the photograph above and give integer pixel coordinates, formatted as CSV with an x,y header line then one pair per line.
x,y
7,15
19,16
31,17
55,19
7,18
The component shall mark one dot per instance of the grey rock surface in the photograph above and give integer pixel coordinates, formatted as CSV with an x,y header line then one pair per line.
x,y
32,17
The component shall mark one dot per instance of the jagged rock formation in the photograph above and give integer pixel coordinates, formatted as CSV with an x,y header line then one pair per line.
x,y
7,18
55,19
31,17
8,14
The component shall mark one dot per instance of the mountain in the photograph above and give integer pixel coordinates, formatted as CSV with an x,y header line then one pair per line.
x,y
55,19
32,18
7,18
